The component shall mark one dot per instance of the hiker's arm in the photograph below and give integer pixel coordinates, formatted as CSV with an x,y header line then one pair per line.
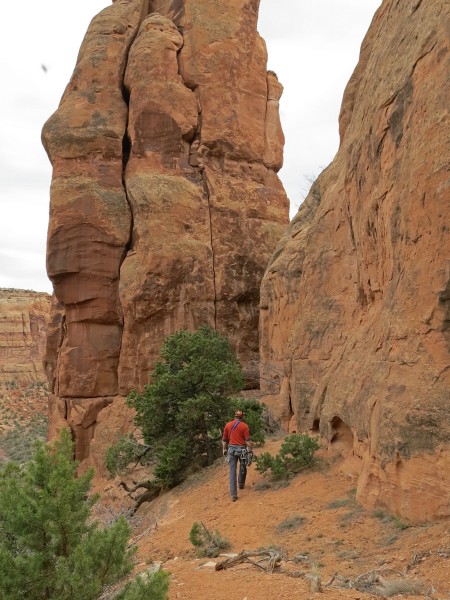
x,y
249,444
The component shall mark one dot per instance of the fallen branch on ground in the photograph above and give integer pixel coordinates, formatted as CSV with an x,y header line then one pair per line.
x,y
271,560
423,555
374,582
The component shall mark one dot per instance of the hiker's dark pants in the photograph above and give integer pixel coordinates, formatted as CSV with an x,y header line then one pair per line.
x,y
234,454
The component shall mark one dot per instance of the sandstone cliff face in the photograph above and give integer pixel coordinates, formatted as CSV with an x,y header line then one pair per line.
x,y
165,203
23,319
355,303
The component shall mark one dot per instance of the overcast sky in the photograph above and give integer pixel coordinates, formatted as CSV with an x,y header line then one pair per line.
x,y
313,47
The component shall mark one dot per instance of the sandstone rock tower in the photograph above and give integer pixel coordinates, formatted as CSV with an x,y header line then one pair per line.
x,y
165,202
355,305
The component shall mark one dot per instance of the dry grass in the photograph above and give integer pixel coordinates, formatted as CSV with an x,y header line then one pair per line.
x,y
291,523
400,586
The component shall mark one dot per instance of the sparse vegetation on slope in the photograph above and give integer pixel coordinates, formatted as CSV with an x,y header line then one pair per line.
x,y
23,419
337,539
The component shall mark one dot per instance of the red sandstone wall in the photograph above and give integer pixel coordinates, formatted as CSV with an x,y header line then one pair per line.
x,y
355,303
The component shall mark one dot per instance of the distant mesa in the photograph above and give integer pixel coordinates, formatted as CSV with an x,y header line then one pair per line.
x,y
24,316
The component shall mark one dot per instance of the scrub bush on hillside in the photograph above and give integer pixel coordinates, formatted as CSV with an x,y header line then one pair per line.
x,y
296,454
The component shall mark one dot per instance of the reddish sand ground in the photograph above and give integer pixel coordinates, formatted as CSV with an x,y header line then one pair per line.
x,y
333,535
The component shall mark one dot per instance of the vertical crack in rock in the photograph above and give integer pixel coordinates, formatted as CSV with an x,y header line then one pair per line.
x,y
361,294
58,353
208,197
291,413
164,280
126,141
126,151
195,161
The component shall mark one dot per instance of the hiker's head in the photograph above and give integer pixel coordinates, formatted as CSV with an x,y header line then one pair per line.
x,y
239,414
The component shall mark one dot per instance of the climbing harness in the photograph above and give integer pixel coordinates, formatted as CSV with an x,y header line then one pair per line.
x,y
247,456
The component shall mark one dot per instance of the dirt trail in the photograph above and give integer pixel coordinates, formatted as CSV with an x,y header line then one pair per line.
x,y
316,516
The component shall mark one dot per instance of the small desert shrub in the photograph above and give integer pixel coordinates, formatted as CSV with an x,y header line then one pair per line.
x,y
389,540
207,543
399,524
399,586
276,484
261,486
350,517
301,558
291,523
379,514
296,454
396,521
349,502
339,503
349,554
315,567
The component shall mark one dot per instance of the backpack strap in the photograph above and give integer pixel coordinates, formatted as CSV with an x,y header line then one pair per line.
x,y
235,425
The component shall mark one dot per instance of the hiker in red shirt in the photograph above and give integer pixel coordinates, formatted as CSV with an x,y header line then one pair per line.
x,y
235,440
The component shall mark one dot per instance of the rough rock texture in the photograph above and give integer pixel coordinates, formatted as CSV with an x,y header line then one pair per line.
x,y
23,318
165,203
355,304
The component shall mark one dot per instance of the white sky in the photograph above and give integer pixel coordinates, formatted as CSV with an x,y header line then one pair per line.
x,y
313,47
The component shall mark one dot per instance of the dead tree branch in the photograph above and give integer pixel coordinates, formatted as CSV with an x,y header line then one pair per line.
x,y
381,582
153,491
376,582
272,558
